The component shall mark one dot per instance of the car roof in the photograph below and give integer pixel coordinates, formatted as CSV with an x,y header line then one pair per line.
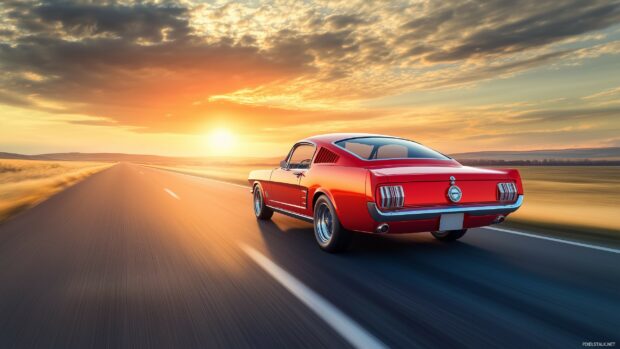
x,y
328,140
335,137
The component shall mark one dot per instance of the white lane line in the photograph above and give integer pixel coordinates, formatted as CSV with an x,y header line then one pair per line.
x,y
345,326
568,242
172,193
223,182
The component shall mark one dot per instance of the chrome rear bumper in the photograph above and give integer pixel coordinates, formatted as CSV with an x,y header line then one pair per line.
x,y
426,213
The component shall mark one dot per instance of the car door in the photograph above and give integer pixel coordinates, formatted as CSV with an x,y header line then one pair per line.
x,y
285,192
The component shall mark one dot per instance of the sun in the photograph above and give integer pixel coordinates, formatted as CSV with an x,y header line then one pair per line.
x,y
221,141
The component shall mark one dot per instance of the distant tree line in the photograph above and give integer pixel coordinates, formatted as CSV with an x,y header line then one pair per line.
x,y
544,162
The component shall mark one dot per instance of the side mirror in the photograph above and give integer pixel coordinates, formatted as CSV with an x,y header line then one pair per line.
x,y
283,164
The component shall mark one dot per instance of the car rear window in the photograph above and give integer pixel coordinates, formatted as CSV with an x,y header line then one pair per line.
x,y
382,148
362,150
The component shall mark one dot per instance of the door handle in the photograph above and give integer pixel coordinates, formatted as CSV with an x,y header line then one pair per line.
x,y
299,174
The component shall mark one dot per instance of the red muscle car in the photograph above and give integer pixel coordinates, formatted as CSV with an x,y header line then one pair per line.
x,y
345,183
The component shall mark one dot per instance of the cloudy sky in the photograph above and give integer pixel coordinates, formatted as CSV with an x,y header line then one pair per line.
x,y
180,77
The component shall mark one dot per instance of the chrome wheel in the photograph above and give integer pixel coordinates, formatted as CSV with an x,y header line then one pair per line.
x,y
258,202
329,234
261,211
324,224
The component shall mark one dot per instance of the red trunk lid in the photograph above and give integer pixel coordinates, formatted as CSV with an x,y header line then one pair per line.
x,y
428,186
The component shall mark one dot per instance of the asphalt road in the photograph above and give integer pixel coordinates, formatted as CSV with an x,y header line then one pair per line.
x,y
139,257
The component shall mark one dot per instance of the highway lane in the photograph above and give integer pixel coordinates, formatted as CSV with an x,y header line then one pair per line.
x,y
139,257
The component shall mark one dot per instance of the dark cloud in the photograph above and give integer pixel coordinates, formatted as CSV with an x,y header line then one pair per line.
x,y
423,27
147,22
7,34
331,44
343,21
491,71
506,27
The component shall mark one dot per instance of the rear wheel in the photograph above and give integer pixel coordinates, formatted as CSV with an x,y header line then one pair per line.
x,y
328,231
260,210
449,235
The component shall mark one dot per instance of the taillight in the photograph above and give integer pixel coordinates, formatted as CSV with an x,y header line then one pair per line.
x,y
391,196
506,191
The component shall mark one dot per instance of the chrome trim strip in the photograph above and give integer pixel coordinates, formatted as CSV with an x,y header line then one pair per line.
x,y
292,214
287,204
414,214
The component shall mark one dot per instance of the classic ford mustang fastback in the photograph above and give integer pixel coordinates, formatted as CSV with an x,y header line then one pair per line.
x,y
382,185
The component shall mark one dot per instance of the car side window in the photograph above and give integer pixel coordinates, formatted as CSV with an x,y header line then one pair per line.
x,y
301,157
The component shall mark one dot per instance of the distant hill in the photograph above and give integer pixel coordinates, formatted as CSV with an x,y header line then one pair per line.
x,y
141,158
592,154
585,156
16,156
104,157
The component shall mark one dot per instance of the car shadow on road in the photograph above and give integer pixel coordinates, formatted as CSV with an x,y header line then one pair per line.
x,y
287,239
297,234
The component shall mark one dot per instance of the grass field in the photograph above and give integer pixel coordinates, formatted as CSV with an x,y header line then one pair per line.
x,y
578,197
24,183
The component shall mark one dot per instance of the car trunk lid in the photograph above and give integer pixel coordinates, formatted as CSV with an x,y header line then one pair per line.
x,y
428,186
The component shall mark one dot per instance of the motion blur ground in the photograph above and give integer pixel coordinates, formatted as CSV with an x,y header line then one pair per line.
x,y
25,183
117,261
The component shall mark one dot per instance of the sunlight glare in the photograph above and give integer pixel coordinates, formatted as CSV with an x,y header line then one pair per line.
x,y
221,141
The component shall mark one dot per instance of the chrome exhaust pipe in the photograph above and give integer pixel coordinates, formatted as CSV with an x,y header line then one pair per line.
x,y
383,228
499,219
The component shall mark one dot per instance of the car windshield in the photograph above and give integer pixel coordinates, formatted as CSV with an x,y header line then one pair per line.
x,y
382,148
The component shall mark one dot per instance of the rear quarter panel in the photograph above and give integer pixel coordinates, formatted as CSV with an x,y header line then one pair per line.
x,y
516,176
260,176
346,188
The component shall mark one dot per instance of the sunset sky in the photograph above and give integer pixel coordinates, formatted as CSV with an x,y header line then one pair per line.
x,y
201,78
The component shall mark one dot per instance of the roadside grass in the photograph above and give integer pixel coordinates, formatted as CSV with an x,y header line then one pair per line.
x,y
572,201
578,196
24,183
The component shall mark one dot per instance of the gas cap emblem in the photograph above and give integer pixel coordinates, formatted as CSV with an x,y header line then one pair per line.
x,y
454,192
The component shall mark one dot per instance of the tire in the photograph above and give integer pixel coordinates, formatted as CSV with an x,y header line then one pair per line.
x,y
449,235
328,232
261,211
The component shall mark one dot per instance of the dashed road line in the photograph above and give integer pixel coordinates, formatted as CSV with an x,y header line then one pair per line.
x,y
173,194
